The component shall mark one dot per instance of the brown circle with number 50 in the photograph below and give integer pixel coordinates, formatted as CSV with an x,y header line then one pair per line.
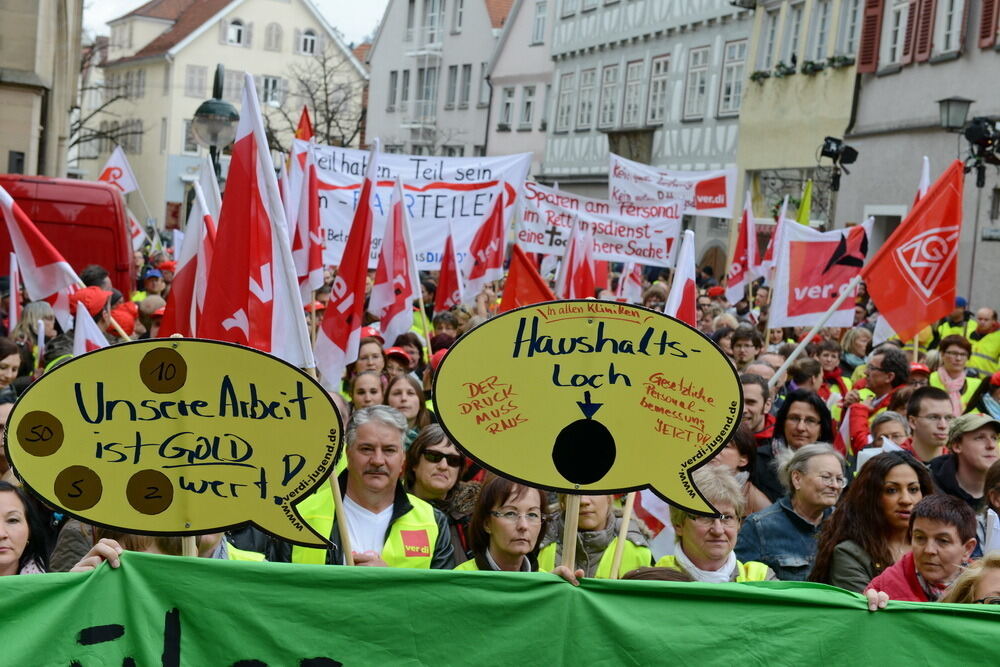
x,y
149,491
163,370
40,433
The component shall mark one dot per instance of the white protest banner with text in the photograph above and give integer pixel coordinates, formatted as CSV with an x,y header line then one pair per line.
x,y
436,190
623,232
709,193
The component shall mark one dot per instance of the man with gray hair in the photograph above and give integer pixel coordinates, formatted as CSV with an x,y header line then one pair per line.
x,y
387,526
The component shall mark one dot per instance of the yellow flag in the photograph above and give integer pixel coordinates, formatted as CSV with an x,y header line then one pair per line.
x,y
805,206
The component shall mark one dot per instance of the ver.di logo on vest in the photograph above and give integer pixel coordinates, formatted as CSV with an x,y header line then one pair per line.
x,y
415,543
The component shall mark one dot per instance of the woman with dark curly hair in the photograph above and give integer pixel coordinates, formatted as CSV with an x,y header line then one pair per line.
x,y
868,532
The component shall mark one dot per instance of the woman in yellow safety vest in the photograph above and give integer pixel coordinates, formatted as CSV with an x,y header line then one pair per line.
x,y
951,375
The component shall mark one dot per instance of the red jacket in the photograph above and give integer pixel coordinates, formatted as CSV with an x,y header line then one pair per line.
x,y
860,418
900,582
764,435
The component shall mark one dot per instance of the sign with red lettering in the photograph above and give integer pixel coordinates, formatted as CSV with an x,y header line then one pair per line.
x,y
623,231
709,193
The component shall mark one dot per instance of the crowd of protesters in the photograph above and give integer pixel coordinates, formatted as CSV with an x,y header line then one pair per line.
x,y
869,465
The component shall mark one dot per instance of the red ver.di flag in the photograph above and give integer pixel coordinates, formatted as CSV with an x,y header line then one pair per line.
x,y
813,268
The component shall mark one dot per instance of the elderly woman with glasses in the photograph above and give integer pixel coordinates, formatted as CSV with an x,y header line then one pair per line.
x,y
951,374
705,544
783,536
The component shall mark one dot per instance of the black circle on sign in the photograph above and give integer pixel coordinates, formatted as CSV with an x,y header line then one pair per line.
x,y
584,451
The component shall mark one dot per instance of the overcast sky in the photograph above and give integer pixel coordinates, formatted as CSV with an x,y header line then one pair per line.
x,y
355,18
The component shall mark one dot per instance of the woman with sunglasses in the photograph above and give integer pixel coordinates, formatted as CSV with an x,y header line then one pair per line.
x,y
433,468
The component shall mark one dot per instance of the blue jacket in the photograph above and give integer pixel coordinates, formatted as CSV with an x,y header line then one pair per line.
x,y
781,539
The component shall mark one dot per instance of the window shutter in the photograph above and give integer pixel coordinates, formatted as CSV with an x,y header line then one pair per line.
x,y
988,23
871,32
248,35
223,31
297,46
258,83
911,31
964,33
282,90
925,30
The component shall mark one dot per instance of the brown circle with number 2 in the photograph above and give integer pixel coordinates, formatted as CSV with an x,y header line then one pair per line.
x,y
78,488
163,370
149,491
40,433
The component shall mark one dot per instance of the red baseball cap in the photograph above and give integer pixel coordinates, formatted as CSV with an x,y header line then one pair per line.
x,y
372,332
169,265
93,299
919,368
437,357
716,291
398,352
159,312
125,314
315,305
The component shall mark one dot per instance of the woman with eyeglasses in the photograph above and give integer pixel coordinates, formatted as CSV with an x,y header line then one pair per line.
x,y
704,548
869,530
979,584
784,535
433,468
951,374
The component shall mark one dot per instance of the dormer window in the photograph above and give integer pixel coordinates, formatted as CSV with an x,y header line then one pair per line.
x,y
308,41
235,34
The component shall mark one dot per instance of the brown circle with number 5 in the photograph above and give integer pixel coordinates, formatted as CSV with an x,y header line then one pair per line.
x,y
163,370
78,488
40,433
149,491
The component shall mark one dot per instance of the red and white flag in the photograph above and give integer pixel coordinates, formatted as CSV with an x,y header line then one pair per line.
x,y
765,269
925,179
396,281
87,336
524,286
741,265
304,131
912,278
135,231
43,270
630,284
813,268
307,232
449,289
210,187
577,272
187,292
682,302
253,296
484,263
118,173
15,294
339,337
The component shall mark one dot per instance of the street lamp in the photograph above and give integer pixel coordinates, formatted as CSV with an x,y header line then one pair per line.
x,y
214,125
954,111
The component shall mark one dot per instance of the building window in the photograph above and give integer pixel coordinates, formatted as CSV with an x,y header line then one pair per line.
x,y
589,4
411,9
272,37
585,101
570,7
851,29
506,108
657,111
456,18
821,30
546,102
564,109
270,90
232,86
793,34
538,25
421,149
452,91
131,139
770,33
463,98
479,151
896,25
433,20
608,114
404,90
731,92
394,148
393,82
632,111
140,83
195,78
190,145
484,88
453,151
308,44
235,33
129,90
950,25
696,83
426,99
527,107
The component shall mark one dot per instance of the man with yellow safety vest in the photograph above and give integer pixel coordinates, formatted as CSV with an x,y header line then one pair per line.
x,y
959,322
985,343
387,526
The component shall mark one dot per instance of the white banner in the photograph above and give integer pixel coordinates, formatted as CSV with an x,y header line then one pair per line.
x,y
623,232
437,190
708,193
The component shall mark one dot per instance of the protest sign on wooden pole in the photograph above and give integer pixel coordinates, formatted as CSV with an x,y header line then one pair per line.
x,y
622,535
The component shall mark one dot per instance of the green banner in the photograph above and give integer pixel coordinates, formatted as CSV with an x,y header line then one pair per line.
x,y
164,610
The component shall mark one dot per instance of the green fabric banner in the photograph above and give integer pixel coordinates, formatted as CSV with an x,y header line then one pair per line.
x,y
164,610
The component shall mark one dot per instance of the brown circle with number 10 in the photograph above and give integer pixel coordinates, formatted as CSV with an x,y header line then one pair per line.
x,y
78,488
40,433
149,491
163,370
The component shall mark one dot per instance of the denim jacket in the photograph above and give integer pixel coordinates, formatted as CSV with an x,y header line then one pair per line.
x,y
780,538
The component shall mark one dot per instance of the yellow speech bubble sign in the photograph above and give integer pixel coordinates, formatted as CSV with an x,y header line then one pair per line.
x,y
177,437
590,397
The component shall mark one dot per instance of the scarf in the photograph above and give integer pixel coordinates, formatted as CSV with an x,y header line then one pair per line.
x,y
992,406
721,576
836,376
954,389
853,360
933,591
31,567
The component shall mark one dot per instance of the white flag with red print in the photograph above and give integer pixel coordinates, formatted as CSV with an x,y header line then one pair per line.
x,y
581,274
396,281
118,172
87,336
484,263
765,269
630,284
43,269
338,338
307,234
253,296
682,302
187,291
135,231
449,290
210,187
744,256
